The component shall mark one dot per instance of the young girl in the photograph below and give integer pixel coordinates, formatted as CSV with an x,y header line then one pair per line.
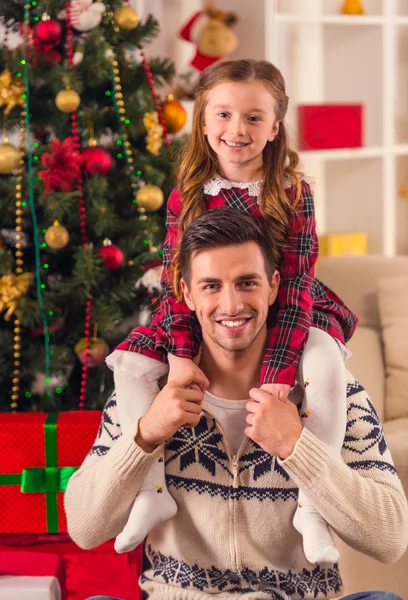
x,y
238,157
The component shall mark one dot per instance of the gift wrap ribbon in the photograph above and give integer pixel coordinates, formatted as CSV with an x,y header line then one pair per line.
x,y
49,479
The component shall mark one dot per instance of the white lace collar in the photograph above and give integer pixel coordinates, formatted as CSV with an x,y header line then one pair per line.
x,y
218,183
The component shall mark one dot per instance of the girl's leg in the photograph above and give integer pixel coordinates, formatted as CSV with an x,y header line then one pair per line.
x,y
323,412
136,384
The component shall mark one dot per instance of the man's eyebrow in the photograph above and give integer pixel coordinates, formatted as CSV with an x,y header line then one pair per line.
x,y
244,277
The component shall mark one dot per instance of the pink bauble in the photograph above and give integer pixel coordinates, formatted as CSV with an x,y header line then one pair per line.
x,y
48,32
96,160
112,257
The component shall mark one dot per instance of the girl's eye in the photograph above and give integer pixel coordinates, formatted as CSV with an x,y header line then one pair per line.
x,y
223,114
254,119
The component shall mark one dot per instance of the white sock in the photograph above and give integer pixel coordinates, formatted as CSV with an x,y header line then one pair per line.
x,y
323,374
318,544
136,384
152,506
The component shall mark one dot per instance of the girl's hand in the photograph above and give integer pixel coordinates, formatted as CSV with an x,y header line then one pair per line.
x,y
280,390
179,367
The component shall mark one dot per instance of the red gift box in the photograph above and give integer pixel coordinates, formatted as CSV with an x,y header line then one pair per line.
x,y
81,573
330,126
38,454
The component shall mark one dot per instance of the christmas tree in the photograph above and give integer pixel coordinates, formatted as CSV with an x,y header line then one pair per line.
x,y
85,165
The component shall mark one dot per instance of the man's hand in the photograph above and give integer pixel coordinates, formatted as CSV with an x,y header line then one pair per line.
x,y
179,366
280,390
274,424
175,406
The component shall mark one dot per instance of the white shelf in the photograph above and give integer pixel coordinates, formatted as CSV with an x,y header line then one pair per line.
x,y
344,153
333,19
401,150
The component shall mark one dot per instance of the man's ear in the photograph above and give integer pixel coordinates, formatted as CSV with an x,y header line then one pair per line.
x,y
187,294
274,285
274,132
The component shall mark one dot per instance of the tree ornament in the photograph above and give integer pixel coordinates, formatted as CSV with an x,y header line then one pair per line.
x,y
9,158
11,91
56,236
48,31
1,242
96,160
150,198
62,166
98,350
126,17
12,287
174,114
111,255
154,138
84,15
352,7
67,101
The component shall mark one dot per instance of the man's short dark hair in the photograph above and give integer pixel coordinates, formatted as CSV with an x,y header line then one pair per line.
x,y
223,227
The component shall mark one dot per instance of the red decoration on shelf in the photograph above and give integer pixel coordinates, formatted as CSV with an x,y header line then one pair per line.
x,y
156,98
82,213
112,255
48,32
62,166
325,126
96,160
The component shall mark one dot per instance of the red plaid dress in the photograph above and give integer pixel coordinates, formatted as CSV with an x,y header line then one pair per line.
x,y
303,300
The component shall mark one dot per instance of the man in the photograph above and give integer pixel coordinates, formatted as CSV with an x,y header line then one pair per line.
x,y
234,466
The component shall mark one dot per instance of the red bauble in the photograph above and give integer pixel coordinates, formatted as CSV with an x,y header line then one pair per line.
x,y
96,160
112,257
48,32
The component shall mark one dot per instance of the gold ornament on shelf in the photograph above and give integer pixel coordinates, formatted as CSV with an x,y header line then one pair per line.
x,y
154,138
11,91
174,114
352,7
9,158
56,236
67,101
150,198
11,288
126,17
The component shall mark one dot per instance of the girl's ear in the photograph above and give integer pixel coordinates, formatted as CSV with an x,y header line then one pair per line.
x,y
274,132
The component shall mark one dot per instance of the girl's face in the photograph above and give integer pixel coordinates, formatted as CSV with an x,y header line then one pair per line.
x,y
239,119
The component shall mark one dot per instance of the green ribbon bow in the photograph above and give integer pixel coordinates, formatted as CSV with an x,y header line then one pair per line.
x,y
49,479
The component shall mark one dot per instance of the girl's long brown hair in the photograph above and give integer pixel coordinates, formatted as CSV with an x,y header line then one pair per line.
x,y
198,162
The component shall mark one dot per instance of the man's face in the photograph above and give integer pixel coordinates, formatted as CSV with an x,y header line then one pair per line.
x,y
230,293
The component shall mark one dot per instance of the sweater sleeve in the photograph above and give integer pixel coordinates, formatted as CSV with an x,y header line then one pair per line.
x,y
101,493
294,319
358,493
176,328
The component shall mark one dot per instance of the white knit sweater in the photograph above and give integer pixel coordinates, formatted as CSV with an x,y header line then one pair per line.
x,y
233,531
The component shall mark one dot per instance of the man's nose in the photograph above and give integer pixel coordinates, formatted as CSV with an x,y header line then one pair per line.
x,y
231,302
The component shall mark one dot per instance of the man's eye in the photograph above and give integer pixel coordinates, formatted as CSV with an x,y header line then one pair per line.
x,y
248,283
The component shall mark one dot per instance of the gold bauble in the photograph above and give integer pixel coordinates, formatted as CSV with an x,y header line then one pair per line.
x,y
353,7
174,114
9,158
67,101
150,197
126,17
56,236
